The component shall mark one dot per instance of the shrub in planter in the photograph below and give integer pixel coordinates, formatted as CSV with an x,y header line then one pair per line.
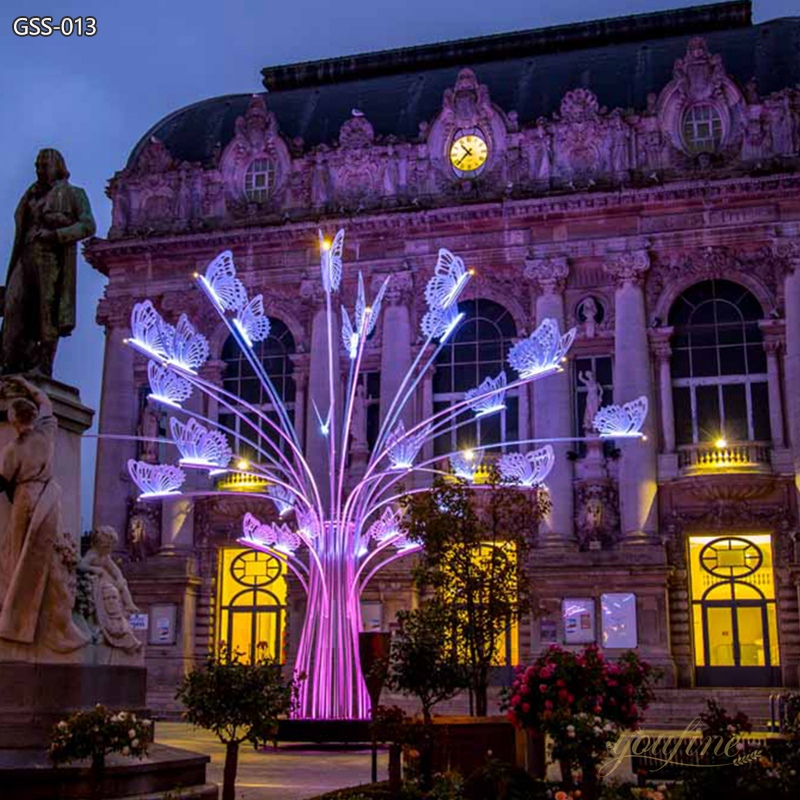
x,y
94,734
583,702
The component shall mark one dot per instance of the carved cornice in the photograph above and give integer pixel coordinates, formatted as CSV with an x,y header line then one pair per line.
x,y
549,274
114,312
629,267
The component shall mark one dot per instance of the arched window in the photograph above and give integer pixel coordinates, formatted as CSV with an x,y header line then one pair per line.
x,y
719,367
477,351
240,379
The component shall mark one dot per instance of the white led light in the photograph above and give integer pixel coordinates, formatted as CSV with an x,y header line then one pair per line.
x,y
199,446
482,406
155,480
613,422
402,449
542,351
528,469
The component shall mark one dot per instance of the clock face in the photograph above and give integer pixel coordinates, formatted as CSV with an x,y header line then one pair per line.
x,y
468,152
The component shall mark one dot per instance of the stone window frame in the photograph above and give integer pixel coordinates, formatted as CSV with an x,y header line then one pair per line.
x,y
510,417
752,337
284,380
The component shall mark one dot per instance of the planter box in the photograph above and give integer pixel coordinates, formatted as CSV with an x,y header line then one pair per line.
x,y
463,744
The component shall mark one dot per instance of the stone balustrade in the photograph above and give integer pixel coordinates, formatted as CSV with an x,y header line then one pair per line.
x,y
736,457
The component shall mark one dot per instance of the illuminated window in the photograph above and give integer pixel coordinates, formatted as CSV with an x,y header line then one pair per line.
x,y
733,601
251,602
719,367
240,379
507,641
259,180
702,129
477,351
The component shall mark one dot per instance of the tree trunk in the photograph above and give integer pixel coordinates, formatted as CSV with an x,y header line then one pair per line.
x,y
426,752
481,696
97,774
229,775
395,774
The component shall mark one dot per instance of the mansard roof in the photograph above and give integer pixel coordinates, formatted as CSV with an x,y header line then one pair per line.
x,y
621,60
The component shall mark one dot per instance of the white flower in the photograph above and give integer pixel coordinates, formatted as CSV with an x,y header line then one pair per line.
x,y
597,730
131,733
135,743
662,787
571,728
598,720
62,726
608,727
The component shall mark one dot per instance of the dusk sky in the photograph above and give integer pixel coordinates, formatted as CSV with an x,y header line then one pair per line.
x,y
93,98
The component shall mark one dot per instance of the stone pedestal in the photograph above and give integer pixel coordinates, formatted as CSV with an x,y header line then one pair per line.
x,y
74,419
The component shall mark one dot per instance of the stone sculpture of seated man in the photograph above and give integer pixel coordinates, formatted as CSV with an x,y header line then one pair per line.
x,y
110,597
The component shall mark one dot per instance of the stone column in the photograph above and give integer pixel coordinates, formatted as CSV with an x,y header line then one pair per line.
x,y
659,340
118,412
632,379
788,249
316,442
300,390
552,408
772,346
395,342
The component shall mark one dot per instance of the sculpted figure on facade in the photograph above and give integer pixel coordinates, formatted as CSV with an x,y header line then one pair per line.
x,y
783,123
37,588
588,313
756,144
110,603
39,301
580,148
594,399
538,143
597,515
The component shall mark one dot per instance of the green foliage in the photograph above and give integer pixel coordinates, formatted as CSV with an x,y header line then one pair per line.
x,y
476,553
501,782
423,663
237,701
93,734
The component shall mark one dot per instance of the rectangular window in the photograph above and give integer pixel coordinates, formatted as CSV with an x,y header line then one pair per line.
x,y
682,407
760,400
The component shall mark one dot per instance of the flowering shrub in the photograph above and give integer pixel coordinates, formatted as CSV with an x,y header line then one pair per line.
x,y
582,700
93,734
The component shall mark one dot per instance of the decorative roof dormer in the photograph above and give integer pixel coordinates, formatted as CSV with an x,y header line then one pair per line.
x,y
700,110
256,163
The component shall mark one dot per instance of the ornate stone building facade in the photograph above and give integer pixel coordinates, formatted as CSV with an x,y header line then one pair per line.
x,y
637,178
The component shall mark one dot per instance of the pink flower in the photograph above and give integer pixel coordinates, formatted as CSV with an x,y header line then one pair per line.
x,y
545,673
526,707
570,698
542,687
548,704
516,700
526,690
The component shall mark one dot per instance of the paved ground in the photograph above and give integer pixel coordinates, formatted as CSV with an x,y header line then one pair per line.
x,y
292,772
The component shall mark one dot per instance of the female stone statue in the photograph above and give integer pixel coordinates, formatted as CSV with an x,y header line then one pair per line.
x,y
37,587
594,398
39,304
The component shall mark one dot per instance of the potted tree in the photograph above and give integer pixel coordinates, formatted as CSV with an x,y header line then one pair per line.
x,y
424,664
239,702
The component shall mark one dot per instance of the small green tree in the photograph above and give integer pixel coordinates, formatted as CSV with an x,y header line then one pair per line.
x,y
425,665
476,550
238,702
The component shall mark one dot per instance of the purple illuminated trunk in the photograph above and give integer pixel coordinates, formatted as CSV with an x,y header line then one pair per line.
x,y
328,653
